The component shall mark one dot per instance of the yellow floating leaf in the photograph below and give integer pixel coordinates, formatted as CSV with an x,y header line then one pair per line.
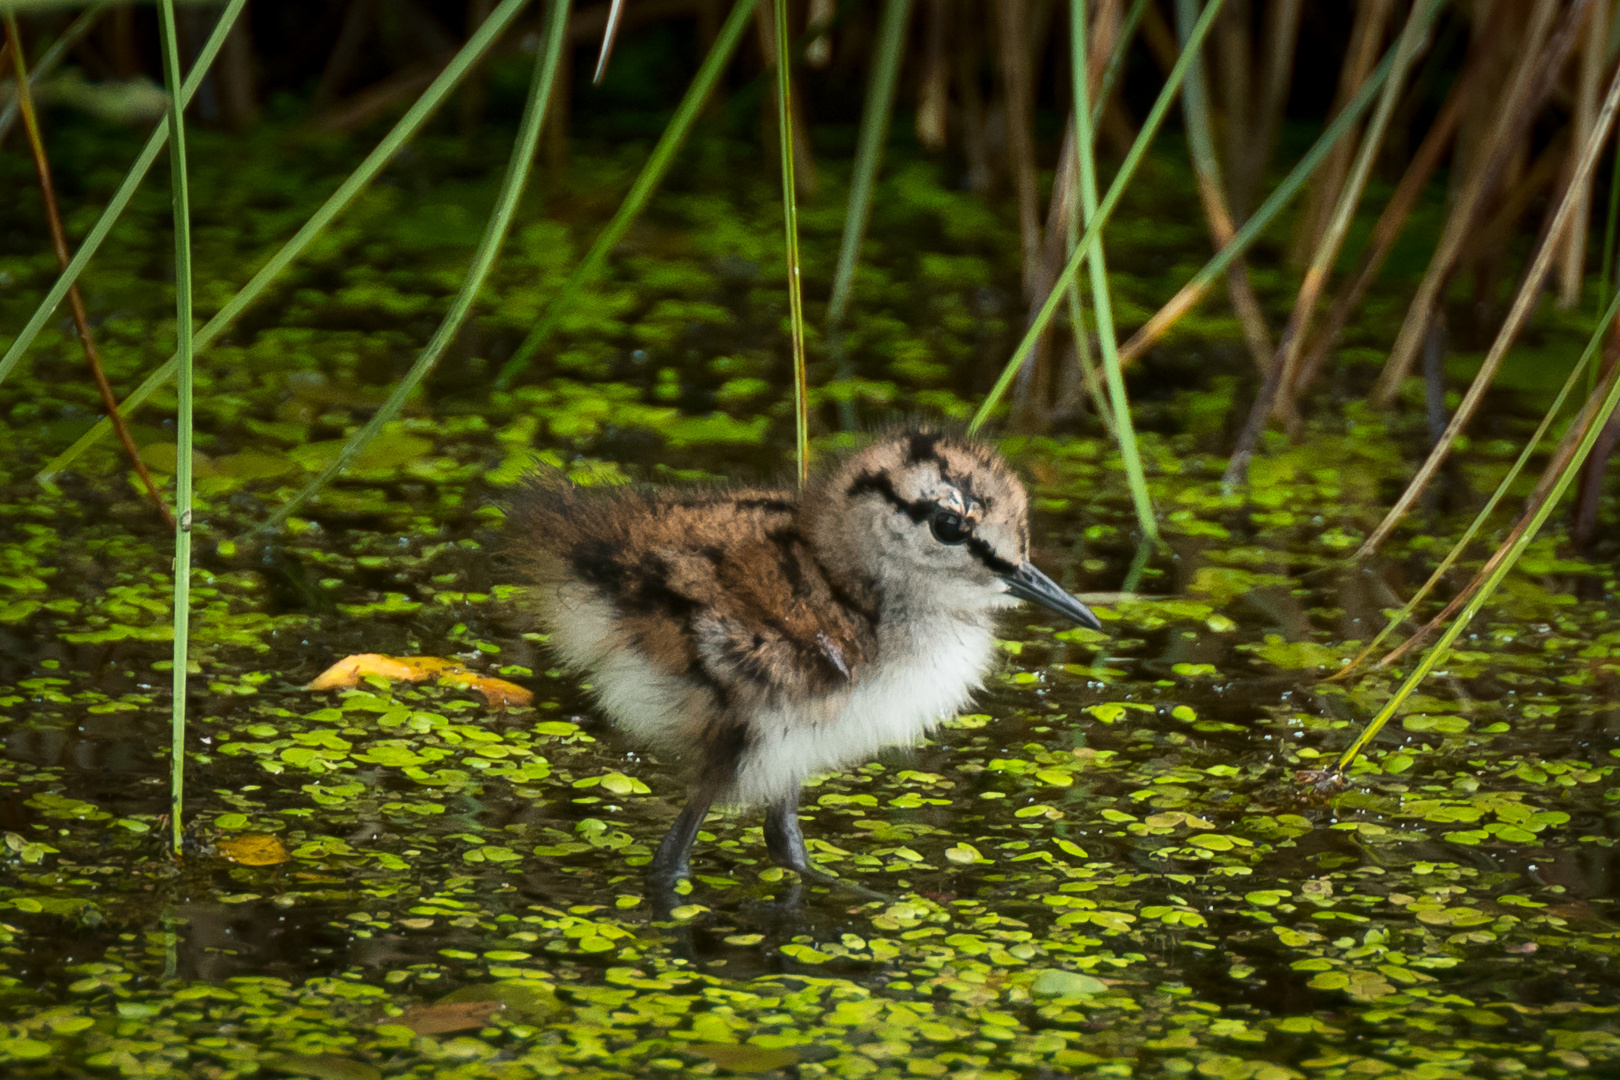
x,y
348,672
498,692
254,849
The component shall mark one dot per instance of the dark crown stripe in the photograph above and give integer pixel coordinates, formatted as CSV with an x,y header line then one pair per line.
x,y
779,506
923,446
877,484
880,485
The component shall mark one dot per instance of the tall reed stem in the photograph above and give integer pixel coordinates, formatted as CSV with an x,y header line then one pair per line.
x,y
875,114
1277,387
1101,304
182,476
1189,294
790,228
1094,226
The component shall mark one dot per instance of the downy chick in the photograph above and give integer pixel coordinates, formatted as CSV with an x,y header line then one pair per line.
x,y
766,636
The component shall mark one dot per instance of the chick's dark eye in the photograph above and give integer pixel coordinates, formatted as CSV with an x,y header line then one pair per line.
x,y
949,528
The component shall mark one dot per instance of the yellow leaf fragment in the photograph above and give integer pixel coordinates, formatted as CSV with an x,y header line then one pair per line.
x,y
254,849
348,672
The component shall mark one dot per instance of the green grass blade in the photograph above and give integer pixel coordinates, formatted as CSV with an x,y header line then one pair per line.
x,y
115,207
1583,365
1077,323
652,174
407,126
1101,304
500,220
790,228
875,116
183,421
1095,223
875,113
1441,648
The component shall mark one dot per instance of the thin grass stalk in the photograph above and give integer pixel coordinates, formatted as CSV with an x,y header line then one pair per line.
x,y
1279,377
115,207
374,163
1095,223
1101,304
652,174
51,57
1558,461
180,187
541,83
804,162
1211,192
1189,294
1018,114
1583,366
1508,557
1516,111
1032,390
1491,234
875,116
1523,303
933,93
1092,382
53,219
610,34
1589,490
790,229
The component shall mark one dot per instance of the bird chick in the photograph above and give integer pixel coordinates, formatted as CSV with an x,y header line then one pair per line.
x,y
766,636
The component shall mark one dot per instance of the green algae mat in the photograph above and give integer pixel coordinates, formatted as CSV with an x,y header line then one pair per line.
x,y
1109,869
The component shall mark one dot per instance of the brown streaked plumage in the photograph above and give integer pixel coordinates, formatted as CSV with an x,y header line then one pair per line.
x,y
766,636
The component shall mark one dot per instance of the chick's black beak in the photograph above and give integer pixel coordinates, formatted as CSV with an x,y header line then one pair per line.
x,y
1028,583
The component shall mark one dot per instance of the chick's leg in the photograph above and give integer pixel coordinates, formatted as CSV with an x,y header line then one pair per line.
x,y
673,860
783,838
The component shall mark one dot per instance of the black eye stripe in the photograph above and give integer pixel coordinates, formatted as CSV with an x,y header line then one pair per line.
x,y
878,484
919,511
987,555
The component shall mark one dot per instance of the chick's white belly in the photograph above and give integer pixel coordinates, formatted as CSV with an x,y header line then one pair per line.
x,y
655,707
896,704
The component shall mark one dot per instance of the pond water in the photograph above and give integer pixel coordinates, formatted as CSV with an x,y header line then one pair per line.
x,y
1109,869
